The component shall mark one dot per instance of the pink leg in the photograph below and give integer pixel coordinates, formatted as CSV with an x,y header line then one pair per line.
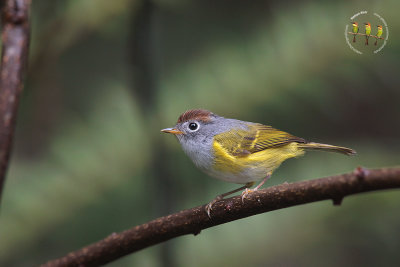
x,y
208,207
247,191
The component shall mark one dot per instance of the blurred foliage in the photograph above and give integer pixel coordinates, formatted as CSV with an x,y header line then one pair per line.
x,y
89,159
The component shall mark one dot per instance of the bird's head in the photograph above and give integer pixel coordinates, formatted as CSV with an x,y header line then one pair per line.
x,y
379,27
355,24
367,24
195,125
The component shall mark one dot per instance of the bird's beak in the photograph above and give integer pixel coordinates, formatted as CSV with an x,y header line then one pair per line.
x,y
172,131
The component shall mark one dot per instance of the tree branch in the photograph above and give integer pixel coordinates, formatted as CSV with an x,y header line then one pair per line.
x,y
192,221
363,34
15,39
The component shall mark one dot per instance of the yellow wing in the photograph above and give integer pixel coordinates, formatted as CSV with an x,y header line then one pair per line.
x,y
259,137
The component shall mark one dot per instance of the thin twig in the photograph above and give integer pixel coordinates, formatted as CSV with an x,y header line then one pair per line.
x,y
192,221
363,34
15,39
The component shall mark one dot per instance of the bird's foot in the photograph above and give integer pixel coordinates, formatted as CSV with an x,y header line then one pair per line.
x,y
208,207
246,192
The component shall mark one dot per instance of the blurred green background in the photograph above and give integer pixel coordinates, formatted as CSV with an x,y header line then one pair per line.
x,y
105,76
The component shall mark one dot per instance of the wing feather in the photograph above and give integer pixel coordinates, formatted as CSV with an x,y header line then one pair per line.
x,y
257,138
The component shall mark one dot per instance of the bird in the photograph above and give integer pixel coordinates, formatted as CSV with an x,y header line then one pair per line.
x,y
355,30
238,151
379,33
367,31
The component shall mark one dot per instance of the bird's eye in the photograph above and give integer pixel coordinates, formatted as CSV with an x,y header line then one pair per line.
x,y
193,126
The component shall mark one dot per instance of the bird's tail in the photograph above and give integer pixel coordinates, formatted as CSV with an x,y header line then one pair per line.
x,y
338,149
354,38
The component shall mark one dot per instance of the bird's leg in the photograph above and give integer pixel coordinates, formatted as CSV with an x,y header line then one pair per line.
x,y
222,196
247,191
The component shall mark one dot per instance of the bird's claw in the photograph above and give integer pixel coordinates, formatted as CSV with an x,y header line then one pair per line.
x,y
208,208
246,192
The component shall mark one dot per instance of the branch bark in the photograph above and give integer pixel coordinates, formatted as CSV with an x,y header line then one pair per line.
x,y
15,40
192,221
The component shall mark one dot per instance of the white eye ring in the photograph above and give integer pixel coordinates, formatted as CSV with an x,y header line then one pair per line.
x,y
193,126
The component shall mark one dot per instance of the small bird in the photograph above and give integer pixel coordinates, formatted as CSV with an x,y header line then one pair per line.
x,y
355,30
238,151
367,31
379,33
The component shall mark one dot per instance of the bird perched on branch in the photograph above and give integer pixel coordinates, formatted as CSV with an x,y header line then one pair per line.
x,y
355,30
379,33
367,31
238,151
